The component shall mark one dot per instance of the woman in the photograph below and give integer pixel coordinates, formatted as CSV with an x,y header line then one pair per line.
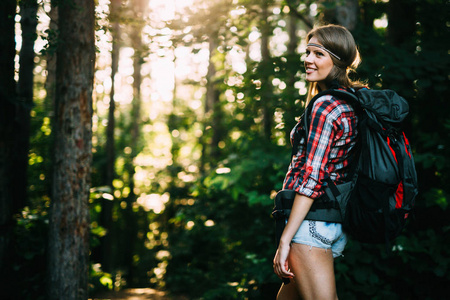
x,y
307,248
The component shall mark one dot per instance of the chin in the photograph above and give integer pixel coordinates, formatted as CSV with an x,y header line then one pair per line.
x,y
311,79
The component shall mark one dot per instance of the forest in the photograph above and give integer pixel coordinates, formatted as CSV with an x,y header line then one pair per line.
x,y
142,143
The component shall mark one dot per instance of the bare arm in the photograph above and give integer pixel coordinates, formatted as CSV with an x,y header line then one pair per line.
x,y
300,208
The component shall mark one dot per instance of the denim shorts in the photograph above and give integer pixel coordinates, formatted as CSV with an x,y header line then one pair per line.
x,y
322,235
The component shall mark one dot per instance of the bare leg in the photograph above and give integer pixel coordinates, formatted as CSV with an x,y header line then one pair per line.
x,y
288,292
314,274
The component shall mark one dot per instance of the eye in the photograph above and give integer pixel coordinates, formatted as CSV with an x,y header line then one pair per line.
x,y
307,52
319,53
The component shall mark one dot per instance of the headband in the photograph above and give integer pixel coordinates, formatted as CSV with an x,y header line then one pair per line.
x,y
324,49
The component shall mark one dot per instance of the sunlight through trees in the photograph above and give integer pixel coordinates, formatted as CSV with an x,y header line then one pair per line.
x,y
142,142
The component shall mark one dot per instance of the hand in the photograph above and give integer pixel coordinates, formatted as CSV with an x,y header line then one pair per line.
x,y
300,208
280,262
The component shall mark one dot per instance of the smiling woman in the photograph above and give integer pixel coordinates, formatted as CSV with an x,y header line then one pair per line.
x,y
308,246
318,63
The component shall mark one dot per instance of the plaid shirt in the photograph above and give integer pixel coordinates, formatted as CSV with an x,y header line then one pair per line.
x,y
332,134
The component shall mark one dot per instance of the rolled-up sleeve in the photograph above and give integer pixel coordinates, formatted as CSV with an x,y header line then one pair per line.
x,y
320,138
324,153
309,167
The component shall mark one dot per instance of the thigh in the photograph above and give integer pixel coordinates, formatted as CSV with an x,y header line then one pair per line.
x,y
288,292
314,272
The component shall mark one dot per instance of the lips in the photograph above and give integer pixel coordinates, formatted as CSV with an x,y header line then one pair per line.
x,y
310,70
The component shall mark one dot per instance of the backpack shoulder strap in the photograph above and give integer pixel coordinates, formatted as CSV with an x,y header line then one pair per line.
x,y
338,93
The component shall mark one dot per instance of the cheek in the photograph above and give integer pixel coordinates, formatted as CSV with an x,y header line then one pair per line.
x,y
330,64
328,67
333,73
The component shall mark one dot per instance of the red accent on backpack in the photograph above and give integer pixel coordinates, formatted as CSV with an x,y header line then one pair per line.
x,y
399,195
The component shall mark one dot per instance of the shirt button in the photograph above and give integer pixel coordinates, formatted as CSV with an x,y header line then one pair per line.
x,y
309,169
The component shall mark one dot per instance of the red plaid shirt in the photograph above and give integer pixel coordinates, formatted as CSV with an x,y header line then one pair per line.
x,y
332,134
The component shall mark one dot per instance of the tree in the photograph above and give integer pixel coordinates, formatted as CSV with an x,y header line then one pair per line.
x,y
209,24
299,13
107,204
402,23
28,22
130,217
212,99
69,213
50,56
344,12
292,63
8,119
266,83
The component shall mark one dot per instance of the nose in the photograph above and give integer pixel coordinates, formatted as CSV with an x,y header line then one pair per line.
x,y
308,58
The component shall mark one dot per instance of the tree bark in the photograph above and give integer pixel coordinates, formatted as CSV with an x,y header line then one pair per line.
x,y
8,119
69,211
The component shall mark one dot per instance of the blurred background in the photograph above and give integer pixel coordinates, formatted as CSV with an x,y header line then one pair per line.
x,y
193,101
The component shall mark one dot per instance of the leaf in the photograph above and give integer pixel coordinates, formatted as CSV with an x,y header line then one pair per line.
x,y
106,281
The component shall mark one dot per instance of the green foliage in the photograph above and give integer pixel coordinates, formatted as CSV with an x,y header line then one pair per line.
x,y
211,253
232,258
416,267
98,280
215,239
28,268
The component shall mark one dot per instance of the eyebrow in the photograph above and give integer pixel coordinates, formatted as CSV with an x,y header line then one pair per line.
x,y
324,49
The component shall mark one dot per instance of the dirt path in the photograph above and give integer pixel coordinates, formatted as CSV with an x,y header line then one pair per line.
x,y
135,294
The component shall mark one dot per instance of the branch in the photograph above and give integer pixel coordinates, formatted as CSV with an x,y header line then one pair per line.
x,y
298,14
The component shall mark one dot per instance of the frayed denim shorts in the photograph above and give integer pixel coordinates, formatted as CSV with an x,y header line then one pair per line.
x,y
322,235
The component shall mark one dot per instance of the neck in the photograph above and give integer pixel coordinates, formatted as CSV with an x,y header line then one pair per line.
x,y
322,86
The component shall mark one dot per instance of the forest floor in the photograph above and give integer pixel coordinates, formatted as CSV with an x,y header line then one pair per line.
x,y
136,294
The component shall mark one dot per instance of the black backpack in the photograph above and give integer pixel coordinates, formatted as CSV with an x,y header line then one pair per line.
x,y
381,187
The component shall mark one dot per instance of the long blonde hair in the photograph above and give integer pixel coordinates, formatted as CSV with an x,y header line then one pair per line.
x,y
339,41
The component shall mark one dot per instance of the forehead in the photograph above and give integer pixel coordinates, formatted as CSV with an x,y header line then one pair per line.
x,y
314,40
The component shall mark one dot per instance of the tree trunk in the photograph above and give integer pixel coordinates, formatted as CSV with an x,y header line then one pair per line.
x,y
69,211
106,220
402,23
50,55
132,227
292,63
8,119
173,124
401,33
28,22
344,12
266,83
213,109
347,14
211,123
